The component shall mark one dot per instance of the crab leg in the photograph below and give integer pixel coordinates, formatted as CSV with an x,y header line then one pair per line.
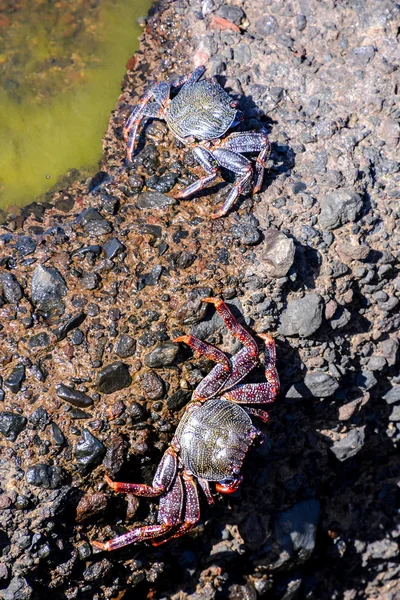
x,y
162,481
192,510
241,166
169,515
205,486
250,141
206,160
208,350
234,327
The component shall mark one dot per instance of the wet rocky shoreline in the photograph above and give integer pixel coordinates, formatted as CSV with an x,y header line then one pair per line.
x,y
96,282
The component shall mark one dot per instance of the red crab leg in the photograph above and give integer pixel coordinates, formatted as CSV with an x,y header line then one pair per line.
x,y
192,510
169,515
236,330
208,350
162,481
271,374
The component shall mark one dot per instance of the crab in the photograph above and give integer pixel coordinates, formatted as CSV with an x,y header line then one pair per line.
x,y
212,437
200,115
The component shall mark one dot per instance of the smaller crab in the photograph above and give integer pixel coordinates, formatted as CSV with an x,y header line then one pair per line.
x,y
211,440
200,115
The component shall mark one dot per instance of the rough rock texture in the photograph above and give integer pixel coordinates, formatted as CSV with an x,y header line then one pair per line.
x,y
116,268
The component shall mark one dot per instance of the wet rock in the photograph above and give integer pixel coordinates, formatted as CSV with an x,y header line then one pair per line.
x,y
40,340
98,180
125,346
113,247
154,200
89,451
90,505
295,529
193,309
16,378
392,395
349,445
113,377
320,384
152,386
74,397
277,253
25,245
39,418
178,400
18,589
11,425
98,570
303,316
58,436
115,454
339,207
47,289
45,476
12,290
62,331
137,411
162,355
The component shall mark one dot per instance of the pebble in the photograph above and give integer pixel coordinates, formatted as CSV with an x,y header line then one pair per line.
x,y
125,346
11,425
47,289
162,355
320,384
339,207
349,445
89,451
113,247
115,454
266,25
25,245
295,529
98,227
18,589
392,395
74,397
154,200
303,316
90,505
16,378
12,290
341,317
366,380
231,13
277,253
113,377
45,476
193,310
62,330
178,400
395,414
152,386
246,231
39,340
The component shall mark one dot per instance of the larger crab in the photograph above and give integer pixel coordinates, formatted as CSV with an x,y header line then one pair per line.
x,y
211,440
200,115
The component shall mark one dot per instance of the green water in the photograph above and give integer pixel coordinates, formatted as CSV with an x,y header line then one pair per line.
x,y
61,67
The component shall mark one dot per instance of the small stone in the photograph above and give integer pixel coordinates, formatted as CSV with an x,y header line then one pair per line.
x,y
349,445
246,233
162,355
178,400
154,200
395,414
89,451
296,528
349,252
303,316
45,476
266,25
320,384
339,207
277,253
40,340
62,331
12,290
18,589
47,289
25,245
341,317
113,377
74,397
16,378
376,363
252,531
366,380
193,309
125,346
11,425
115,454
392,395
90,505
234,14
98,227
152,385
113,247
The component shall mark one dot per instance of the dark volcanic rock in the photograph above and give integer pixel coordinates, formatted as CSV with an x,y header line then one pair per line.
x,y
193,309
339,207
303,316
16,378
162,355
178,400
349,445
45,476
152,385
11,424
39,340
320,384
392,395
154,200
74,397
12,290
232,13
125,346
113,377
113,247
89,451
19,589
47,289
62,331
